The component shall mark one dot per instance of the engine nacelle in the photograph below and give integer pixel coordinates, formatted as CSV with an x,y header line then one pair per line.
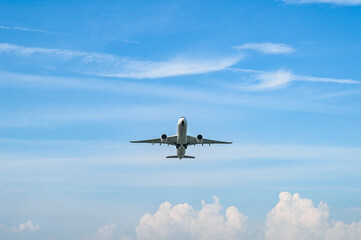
x,y
199,138
164,138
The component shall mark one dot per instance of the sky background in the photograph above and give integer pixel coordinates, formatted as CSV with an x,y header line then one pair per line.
x,y
78,80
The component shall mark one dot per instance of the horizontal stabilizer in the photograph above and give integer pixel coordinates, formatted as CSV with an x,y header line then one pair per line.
x,y
176,156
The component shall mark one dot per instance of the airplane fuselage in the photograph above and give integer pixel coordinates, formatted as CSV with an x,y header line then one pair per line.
x,y
182,137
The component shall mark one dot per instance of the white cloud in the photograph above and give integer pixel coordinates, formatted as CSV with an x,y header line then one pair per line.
x,y
268,48
337,2
108,232
27,29
174,67
183,222
280,78
275,79
109,65
325,80
64,54
130,41
296,218
28,226
342,231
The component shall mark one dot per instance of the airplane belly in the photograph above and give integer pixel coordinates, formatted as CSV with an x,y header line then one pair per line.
x,y
182,135
181,151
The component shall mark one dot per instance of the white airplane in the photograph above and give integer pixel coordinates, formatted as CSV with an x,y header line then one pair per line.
x,y
181,141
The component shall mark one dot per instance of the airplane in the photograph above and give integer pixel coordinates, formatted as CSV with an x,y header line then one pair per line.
x,y
181,140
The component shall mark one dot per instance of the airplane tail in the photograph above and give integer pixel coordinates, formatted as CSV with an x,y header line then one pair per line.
x,y
176,156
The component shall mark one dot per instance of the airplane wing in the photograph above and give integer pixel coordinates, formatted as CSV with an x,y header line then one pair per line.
x,y
172,140
193,141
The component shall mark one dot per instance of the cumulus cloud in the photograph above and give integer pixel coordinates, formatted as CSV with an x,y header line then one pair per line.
x,y
28,226
108,232
336,2
296,218
342,231
268,48
183,222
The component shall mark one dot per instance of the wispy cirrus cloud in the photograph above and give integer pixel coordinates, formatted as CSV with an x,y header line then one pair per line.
x,y
130,41
336,2
60,53
174,67
225,94
325,80
108,65
261,80
268,80
27,29
267,48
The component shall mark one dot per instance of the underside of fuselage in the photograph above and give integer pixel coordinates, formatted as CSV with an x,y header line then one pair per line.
x,y
182,137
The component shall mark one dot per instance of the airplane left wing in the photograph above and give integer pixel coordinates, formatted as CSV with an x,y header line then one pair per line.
x,y
172,140
155,140
193,141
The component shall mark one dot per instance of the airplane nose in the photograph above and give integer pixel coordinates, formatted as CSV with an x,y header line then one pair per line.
x,y
182,122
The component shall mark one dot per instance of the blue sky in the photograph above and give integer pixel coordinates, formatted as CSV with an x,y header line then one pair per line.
x,y
78,80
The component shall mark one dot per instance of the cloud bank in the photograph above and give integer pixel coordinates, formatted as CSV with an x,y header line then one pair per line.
x,y
293,218
267,48
336,2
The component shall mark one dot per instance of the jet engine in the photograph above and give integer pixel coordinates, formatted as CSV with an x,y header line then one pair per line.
x,y
164,138
199,138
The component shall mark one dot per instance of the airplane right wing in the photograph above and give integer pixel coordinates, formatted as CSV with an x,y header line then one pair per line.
x,y
172,140
193,141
